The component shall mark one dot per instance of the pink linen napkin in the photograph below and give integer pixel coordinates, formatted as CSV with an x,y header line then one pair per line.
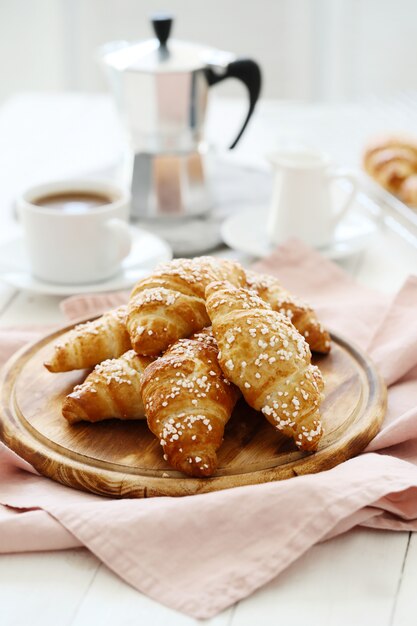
x,y
199,554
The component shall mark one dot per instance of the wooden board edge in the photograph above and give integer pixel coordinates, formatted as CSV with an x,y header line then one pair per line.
x,y
112,483
120,485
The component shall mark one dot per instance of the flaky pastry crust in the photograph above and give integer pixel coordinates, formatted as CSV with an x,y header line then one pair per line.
x,y
112,390
264,355
170,304
92,342
188,402
301,314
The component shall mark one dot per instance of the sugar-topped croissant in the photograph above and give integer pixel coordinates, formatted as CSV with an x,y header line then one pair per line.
x,y
112,390
300,313
188,402
170,304
92,342
262,353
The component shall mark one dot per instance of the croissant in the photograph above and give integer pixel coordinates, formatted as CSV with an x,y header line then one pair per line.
x,y
302,316
92,342
262,353
188,402
392,161
112,390
170,304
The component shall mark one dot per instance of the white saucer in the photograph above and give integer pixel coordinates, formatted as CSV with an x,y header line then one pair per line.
x,y
246,231
147,251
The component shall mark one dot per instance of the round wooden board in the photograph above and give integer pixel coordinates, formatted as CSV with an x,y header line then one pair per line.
x,y
123,459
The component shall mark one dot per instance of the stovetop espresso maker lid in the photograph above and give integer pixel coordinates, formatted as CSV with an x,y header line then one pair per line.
x,y
160,53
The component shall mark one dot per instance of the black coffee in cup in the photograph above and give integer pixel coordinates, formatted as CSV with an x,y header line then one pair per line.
x,y
76,231
73,202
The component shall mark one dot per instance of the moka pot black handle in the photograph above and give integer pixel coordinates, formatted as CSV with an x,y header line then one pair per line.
x,y
247,71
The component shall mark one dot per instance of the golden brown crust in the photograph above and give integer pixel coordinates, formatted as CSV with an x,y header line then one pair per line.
x,y
408,192
301,314
391,160
88,344
112,390
386,141
188,402
264,355
170,304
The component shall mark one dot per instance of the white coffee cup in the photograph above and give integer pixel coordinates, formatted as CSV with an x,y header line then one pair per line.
x,y
75,245
301,203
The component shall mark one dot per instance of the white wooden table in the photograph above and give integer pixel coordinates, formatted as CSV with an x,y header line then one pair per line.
x,y
363,577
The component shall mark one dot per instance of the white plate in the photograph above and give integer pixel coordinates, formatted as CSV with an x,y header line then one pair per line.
x,y
147,251
246,231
